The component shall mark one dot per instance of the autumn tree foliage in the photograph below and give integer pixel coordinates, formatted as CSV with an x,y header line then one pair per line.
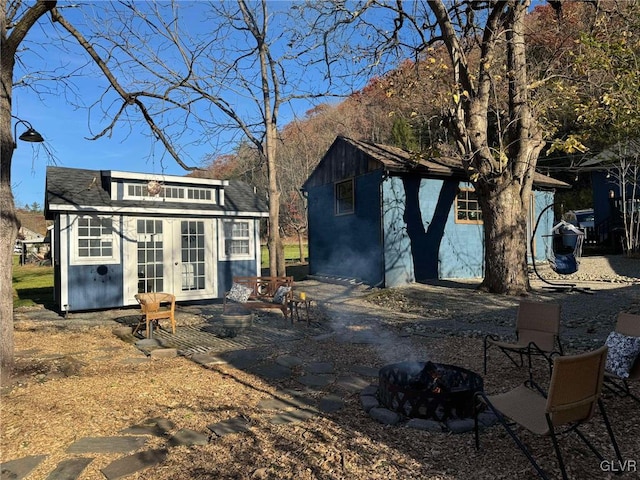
x,y
605,73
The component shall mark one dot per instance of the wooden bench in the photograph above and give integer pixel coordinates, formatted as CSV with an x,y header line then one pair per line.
x,y
263,290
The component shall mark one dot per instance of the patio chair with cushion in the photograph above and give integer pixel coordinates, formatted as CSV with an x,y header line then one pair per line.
x,y
623,359
156,306
574,392
537,333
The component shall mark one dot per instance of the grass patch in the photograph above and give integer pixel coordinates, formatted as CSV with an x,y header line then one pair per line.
x,y
32,285
291,254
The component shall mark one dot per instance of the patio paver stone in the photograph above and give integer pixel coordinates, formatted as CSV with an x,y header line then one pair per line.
x,y
69,469
21,467
130,464
106,444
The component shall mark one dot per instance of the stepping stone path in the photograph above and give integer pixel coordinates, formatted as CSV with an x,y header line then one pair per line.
x,y
158,427
20,468
107,444
69,469
289,406
271,371
232,425
133,463
188,437
331,404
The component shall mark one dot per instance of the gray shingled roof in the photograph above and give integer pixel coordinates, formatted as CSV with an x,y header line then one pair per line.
x,y
83,188
398,160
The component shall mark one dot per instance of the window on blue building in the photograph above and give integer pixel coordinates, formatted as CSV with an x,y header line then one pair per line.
x,y
237,241
344,197
94,240
467,207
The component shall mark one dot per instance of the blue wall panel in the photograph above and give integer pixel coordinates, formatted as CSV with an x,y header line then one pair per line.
x,y
236,268
602,204
422,240
397,245
420,237
347,245
94,287
542,242
461,248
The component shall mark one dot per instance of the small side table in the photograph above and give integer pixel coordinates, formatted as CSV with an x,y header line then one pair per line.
x,y
294,306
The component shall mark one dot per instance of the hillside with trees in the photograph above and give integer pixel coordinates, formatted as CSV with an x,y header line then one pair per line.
x,y
408,107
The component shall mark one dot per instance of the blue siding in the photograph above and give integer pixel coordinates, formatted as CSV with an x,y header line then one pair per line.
x,y
236,268
347,245
461,253
94,286
602,204
397,245
542,242
422,240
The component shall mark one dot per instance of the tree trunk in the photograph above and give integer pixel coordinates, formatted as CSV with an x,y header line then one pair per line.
x,y
505,239
300,246
501,170
274,242
8,224
269,83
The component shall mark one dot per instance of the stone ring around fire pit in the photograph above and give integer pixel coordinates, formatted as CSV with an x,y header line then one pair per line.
x,y
428,396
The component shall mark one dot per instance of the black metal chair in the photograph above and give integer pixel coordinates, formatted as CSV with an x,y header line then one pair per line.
x,y
537,333
574,393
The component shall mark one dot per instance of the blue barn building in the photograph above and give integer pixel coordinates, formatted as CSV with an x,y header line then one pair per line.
x,y
380,215
118,233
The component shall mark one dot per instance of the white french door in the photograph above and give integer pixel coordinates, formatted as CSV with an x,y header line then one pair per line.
x,y
192,257
173,255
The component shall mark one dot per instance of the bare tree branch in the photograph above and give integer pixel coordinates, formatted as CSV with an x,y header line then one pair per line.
x,y
128,98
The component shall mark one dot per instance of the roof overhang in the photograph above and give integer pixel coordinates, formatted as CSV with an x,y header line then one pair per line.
x,y
169,212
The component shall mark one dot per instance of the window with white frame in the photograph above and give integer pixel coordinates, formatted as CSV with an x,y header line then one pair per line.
x,y
467,207
94,240
202,194
139,191
237,239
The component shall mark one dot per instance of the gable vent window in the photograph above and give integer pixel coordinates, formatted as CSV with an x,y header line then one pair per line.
x,y
174,193
139,191
198,194
467,207
344,199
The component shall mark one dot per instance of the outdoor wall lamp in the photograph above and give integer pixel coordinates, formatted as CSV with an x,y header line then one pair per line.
x,y
30,135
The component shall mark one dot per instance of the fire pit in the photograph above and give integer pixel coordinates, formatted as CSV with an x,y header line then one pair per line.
x,y
428,390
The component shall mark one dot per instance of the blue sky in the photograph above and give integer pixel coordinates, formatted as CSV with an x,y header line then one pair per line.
x,y
66,128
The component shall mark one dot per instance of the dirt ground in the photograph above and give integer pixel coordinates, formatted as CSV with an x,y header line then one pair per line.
x,y
84,381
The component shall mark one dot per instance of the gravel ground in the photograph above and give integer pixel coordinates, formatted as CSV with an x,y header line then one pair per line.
x,y
79,380
604,286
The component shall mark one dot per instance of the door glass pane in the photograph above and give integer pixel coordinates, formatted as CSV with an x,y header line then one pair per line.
x,y
150,256
193,264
